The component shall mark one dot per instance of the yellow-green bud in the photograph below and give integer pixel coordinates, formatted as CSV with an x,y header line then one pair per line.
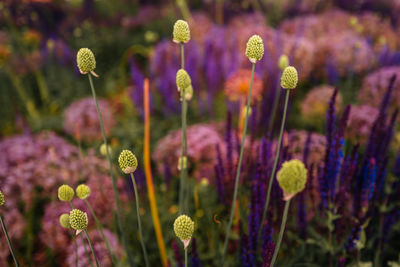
x,y
283,62
1,199
103,150
292,178
65,193
127,161
184,228
181,33
86,60
64,220
82,191
78,219
255,48
289,78
182,162
183,80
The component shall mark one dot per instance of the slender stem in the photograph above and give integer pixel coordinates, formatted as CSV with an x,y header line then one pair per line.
x,y
8,241
186,258
182,56
274,108
275,165
76,247
283,224
91,247
235,192
100,227
114,182
146,259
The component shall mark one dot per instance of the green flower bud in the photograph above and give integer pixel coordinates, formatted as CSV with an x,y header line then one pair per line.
x,y
289,78
64,220
127,161
283,62
1,199
103,150
86,61
82,191
292,178
182,161
184,228
255,48
181,33
189,93
183,80
65,193
78,219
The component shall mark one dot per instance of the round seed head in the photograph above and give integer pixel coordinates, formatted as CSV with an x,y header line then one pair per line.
x,y
255,48
127,161
65,193
83,191
283,62
289,78
2,200
86,61
64,220
184,227
181,32
78,219
183,80
292,177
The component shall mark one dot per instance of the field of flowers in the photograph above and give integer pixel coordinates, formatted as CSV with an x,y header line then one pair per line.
x,y
183,133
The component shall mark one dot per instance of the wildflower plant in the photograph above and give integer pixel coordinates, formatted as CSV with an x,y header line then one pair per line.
x,y
2,201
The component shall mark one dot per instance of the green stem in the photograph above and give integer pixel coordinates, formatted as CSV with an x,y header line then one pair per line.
x,y
8,241
91,247
114,182
186,258
274,108
76,247
235,192
100,227
275,165
86,251
280,236
182,56
146,259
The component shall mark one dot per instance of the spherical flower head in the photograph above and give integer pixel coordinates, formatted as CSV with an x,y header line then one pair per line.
x,y
183,80
78,219
83,191
255,48
292,178
289,78
86,61
184,228
65,193
103,150
283,62
182,163
64,220
127,161
1,199
181,33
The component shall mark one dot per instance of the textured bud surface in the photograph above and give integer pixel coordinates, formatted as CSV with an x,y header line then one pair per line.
x,y
184,227
183,80
78,219
127,161
83,191
86,61
292,177
289,78
1,199
181,33
255,48
65,193
283,62
64,220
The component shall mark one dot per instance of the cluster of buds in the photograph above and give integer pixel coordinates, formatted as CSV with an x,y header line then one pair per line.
x,y
292,178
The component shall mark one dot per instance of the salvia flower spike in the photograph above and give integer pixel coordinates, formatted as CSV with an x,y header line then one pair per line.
x,y
65,193
82,191
181,32
127,161
289,78
184,228
255,48
86,61
292,178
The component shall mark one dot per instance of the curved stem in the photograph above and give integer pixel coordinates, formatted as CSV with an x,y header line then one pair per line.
x,y
283,224
278,149
8,241
91,247
235,192
146,259
100,227
114,182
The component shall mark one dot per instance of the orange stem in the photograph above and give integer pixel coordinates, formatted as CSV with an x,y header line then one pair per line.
x,y
149,176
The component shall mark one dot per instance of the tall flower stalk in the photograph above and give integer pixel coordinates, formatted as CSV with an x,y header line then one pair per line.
x,y
255,52
289,81
2,201
86,64
128,164
184,228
